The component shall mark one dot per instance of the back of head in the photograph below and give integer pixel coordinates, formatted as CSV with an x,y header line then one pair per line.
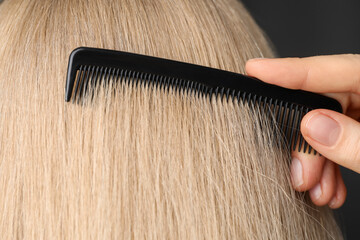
x,y
140,163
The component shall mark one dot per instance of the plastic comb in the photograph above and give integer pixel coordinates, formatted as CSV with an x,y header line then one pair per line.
x,y
89,66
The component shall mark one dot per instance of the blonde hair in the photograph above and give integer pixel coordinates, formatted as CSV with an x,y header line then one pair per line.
x,y
144,162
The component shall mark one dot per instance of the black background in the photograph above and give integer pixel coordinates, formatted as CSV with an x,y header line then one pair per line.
x,y
319,27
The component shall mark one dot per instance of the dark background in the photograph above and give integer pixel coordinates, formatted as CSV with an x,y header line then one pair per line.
x,y
319,27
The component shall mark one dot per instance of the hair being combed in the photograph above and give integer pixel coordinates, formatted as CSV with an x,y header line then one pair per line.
x,y
142,163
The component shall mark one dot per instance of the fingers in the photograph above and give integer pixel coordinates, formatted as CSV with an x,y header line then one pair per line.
x,y
334,135
340,193
322,74
306,170
324,181
324,190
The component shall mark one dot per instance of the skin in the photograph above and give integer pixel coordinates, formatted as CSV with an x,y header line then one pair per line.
x,y
336,76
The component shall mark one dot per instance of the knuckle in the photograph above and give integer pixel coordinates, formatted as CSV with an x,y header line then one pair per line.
x,y
355,61
356,156
306,77
352,152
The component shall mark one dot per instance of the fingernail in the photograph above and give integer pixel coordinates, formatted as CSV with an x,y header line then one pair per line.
x,y
297,172
316,191
323,129
332,203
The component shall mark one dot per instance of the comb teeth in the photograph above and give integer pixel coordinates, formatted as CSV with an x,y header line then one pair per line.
x,y
286,116
91,76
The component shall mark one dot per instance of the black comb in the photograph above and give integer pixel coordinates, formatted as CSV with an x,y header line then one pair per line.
x,y
88,66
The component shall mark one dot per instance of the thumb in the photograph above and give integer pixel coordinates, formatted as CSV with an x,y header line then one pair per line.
x,y
334,135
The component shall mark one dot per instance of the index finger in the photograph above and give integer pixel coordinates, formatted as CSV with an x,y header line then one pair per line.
x,y
322,74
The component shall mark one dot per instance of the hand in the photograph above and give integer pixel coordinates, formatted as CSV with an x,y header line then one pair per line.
x,y
336,136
